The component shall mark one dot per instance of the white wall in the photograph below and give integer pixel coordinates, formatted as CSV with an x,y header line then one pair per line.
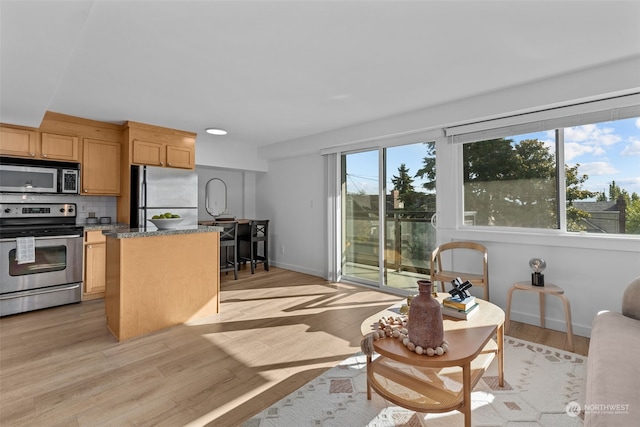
x,y
292,195
240,191
214,152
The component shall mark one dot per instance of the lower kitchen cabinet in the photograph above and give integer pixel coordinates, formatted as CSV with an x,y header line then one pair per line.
x,y
95,259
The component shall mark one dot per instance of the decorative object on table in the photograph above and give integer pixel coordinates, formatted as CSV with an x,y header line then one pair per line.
x,y
460,289
404,308
396,327
461,304
537,265
425,327
458,313
458,304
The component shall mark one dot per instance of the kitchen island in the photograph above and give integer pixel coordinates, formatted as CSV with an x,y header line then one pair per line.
x,y
160,278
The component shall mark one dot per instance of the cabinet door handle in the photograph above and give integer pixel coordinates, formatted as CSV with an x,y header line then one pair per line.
x,y
168,164
89,246
44,155
86,191
32,154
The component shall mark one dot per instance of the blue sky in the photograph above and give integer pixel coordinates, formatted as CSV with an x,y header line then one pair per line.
x,y
606,152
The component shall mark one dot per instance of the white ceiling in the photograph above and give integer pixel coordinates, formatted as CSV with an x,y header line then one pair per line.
x,y
272,71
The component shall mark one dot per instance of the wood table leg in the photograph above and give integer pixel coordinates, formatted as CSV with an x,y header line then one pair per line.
x,y
507,321
567,318
368,373
466,390
500,355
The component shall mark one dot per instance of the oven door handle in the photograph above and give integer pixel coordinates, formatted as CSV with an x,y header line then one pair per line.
x,y
29,293
68,236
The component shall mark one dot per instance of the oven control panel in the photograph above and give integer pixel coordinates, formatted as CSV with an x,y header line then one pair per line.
x,y
37,210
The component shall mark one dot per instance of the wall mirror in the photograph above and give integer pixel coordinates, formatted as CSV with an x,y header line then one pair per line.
x,y
215,197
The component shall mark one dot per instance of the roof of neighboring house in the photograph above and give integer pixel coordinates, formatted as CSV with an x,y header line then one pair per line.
x,y
597,206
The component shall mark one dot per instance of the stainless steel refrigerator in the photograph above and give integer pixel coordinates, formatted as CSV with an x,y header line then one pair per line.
x,y
156,190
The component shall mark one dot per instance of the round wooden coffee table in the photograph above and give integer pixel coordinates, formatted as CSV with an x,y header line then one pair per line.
x,y
437,383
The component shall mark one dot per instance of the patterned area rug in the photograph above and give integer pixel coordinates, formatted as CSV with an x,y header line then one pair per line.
x,y
543,387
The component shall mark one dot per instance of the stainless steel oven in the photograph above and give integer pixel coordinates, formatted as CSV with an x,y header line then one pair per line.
x,y
51,273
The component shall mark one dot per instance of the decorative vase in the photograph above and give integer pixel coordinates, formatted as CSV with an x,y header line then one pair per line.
x,y
425,318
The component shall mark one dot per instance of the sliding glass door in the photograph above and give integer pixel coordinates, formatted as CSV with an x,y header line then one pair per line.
x,y
386,220
360,217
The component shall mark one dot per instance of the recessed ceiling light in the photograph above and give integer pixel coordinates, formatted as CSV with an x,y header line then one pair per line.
x,y
216,131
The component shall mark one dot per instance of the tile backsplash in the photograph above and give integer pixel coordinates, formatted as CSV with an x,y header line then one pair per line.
x,y
101,206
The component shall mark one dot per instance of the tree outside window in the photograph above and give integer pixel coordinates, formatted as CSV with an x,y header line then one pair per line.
x,y
512,181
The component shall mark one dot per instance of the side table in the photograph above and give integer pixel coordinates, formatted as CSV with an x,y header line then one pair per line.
x,y
548,288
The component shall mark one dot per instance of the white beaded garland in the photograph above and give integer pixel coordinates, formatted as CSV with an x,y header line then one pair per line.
x,y
396,327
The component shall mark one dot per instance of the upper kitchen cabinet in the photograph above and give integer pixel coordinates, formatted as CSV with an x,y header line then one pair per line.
x,y
157,146
158,154
18,142
101,167
60,147
25,143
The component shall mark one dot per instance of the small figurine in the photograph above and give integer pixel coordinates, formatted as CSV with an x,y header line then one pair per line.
x,y
460,289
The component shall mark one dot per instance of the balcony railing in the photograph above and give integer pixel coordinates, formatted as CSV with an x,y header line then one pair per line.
x,y
409,240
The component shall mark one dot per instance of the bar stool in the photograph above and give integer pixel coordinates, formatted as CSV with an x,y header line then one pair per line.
x,y
259,233
229,240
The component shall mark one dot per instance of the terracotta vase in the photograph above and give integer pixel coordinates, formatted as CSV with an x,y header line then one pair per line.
x,y
425,318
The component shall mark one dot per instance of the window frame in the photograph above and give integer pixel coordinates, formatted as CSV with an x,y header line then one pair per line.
x,y
455,143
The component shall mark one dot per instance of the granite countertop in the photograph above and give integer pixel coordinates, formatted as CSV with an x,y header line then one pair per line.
x,y
126,233
110,226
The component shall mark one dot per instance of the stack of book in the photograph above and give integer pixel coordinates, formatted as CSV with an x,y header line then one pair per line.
x,y
460,309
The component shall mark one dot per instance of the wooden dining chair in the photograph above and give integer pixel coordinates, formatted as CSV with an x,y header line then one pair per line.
x,y
439,273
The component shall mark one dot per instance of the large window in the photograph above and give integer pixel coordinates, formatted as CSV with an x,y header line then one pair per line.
x,y
513,181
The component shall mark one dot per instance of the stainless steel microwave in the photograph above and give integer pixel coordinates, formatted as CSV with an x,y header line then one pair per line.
x,y
38,176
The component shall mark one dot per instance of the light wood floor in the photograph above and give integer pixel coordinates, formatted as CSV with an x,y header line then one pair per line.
x,y
276,331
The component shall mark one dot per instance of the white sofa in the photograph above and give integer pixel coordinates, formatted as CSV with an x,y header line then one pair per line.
x,y
613,367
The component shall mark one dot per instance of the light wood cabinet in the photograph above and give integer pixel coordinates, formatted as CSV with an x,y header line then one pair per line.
x,y
160,154
31,144
181,157
60,147
95,262
101,167
18,142
148,153
154,282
